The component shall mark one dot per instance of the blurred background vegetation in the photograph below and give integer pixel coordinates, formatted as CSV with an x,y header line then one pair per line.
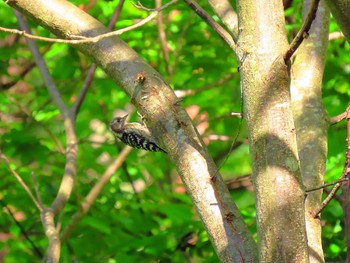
x,y
143,214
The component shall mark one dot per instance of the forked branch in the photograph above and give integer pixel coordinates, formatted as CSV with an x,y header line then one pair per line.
x,y
303,32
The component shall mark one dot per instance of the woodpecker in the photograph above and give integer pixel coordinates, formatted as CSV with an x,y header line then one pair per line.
x,y
134,134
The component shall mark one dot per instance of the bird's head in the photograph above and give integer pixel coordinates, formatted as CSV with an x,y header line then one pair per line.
x,y
117,124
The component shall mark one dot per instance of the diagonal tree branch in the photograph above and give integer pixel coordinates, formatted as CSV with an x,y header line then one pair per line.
x,y
212,23
228,16
345,174
164,116
338,118
50,84
303,32
94,192
67,183
36,250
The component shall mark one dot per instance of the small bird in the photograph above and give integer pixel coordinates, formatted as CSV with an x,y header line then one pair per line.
x,y
134,134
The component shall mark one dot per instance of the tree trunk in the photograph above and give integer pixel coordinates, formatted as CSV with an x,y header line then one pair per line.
x,y
272,137
311,120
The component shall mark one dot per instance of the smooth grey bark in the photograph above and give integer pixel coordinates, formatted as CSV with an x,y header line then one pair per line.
x,y
311,120
165,117
272,137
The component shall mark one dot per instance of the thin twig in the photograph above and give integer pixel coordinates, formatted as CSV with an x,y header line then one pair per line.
x,y
89,5
336,197
94,192
225,11
42,67
338,118
303,32
87,82
328,199
342,180
24,70
116,14
23,231
212,23
345,173
138,5
83,39
20,180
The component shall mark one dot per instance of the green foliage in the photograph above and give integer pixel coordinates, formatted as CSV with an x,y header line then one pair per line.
x,y
147,225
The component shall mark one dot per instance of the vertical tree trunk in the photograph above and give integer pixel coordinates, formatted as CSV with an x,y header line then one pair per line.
x,y
272,137
310,119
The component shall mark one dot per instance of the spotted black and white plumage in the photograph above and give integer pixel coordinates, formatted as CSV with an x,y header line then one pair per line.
x,y
134,134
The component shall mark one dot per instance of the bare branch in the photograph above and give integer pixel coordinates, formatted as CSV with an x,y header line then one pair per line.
x,y
303,32
23,72
89,5
173,127
228,16
42,67
87,82
116,14
95,191
328,199
326,185
212,23
338,118
54,249
345,173
70,169
36,250
82,39
66,186
139,5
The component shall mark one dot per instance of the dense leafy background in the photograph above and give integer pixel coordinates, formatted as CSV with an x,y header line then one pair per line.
x,y
151,224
